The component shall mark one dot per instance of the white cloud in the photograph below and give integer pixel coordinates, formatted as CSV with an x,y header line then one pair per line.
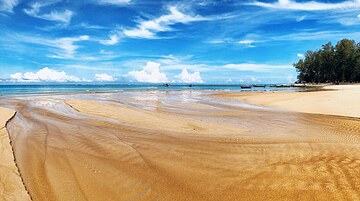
x,y
255,67
8,5
248,43
103,77
44,75
307,6
299,55
150,73
60,16
67,46
301,18
186,77
113,2
113,39
149,28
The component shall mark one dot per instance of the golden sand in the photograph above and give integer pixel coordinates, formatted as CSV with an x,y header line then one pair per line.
x,y
11,186
113,150
340,100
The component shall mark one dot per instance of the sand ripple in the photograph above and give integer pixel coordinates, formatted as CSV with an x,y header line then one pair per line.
x,y
110,150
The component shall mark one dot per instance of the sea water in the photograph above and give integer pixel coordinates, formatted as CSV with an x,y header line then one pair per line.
x,y
17,89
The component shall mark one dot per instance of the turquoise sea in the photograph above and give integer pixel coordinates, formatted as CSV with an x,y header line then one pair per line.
x,y
16,89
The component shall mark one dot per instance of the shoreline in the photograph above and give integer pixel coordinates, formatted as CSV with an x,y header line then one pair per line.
x,y
339,100
12,185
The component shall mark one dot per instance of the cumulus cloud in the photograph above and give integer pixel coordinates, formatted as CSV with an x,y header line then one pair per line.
x,y
113,39
8,5
307,6
150,73
186,77
149,28
44,75
103,77
60,16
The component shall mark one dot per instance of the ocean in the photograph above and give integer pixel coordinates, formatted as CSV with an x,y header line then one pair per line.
x,y
23,89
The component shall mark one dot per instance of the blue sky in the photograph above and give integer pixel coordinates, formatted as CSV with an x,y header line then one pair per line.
x,y
197,41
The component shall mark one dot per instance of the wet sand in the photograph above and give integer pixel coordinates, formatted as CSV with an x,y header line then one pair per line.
x,y
342,100
180,145
11,186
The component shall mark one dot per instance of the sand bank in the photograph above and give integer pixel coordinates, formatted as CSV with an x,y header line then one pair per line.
x,y
111,148
340,100
11,186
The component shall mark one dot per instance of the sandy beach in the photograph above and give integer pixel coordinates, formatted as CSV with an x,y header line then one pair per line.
x,y
11,186
186,145
339,100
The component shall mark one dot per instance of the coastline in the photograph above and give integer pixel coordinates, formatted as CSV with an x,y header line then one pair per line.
x,y
341,100
11,185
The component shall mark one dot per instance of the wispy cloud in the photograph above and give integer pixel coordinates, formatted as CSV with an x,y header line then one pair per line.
x,y
149,28
59,16
244,42
248,42
113,39
8,5
112,2
307,6
99,67
301,18
319,35
65,48
255,67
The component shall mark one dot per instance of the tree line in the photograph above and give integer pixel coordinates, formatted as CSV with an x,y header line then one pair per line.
x,y
339,63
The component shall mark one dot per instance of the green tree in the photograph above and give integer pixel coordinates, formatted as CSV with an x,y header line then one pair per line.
x,y
331,64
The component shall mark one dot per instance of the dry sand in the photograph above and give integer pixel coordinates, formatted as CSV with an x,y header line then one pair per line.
x,y
115,150
11,186
340,100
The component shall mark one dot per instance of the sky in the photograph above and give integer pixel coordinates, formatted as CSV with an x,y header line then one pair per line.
x,y
179,41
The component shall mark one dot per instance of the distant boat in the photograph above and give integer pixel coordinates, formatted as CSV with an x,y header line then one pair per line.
x,y
259,85
166,85
299,85
245,86
284,85
190,85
